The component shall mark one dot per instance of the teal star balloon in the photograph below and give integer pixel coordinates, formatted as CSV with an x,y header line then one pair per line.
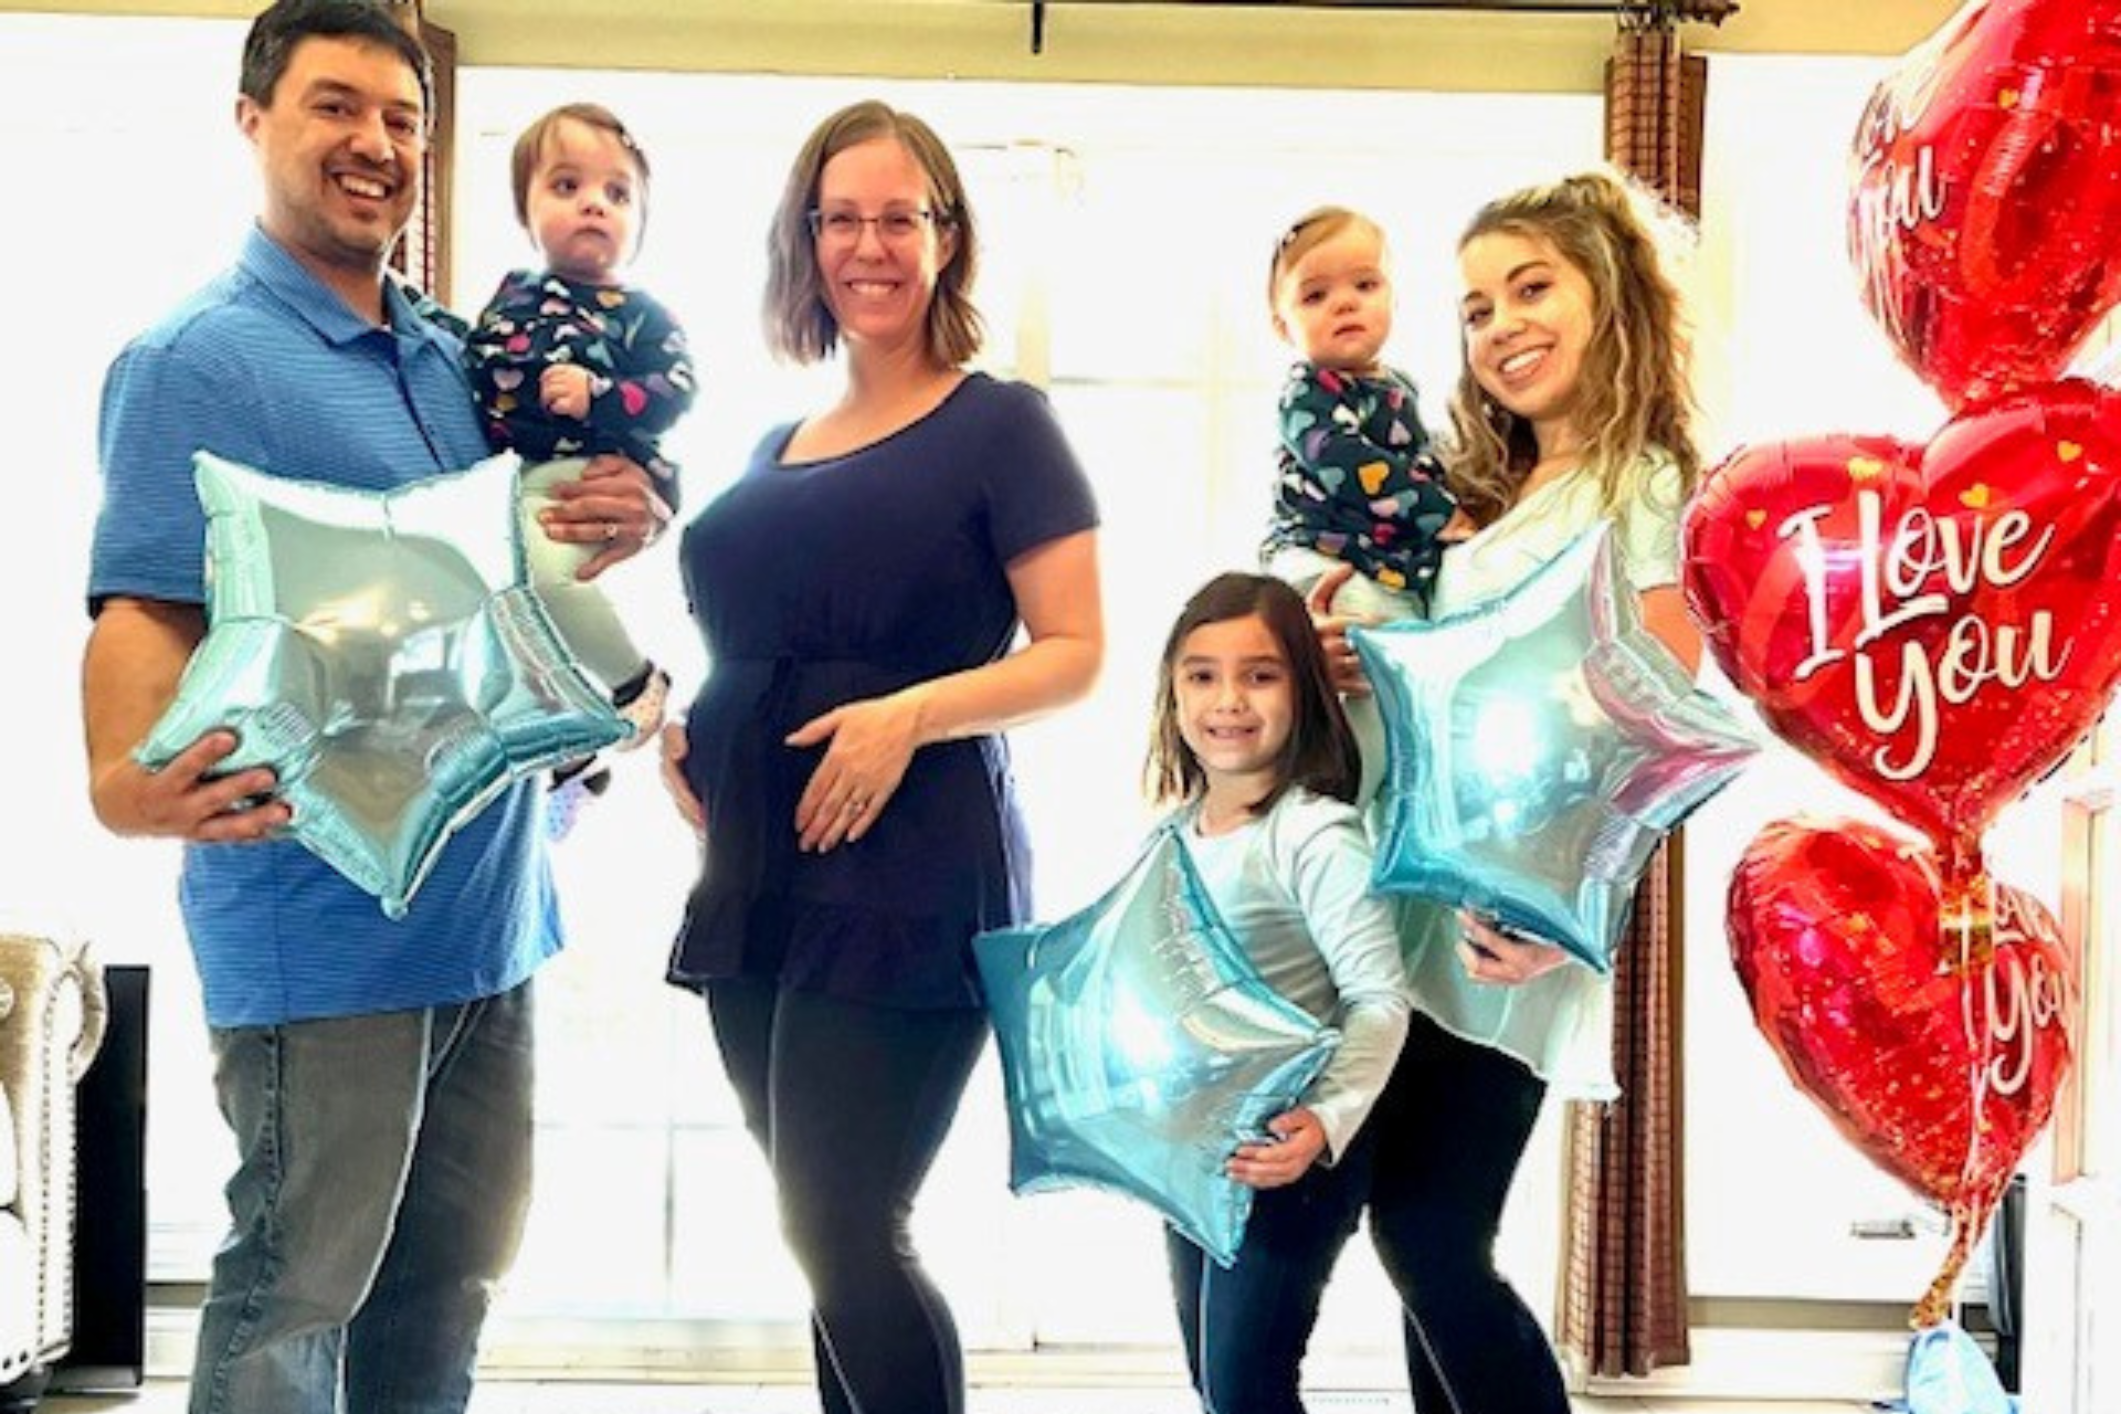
x,y
1538,747
1140,1047
384,655
1947,1373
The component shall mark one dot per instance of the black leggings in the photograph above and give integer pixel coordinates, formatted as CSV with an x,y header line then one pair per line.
x,y
1433,1166
1246,1326
1449,1131
850,1103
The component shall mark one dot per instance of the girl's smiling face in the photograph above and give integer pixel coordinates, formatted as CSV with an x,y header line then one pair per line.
x,y
1528,315
1236,705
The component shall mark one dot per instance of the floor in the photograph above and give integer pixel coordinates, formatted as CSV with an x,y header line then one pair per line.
x,y
548,1398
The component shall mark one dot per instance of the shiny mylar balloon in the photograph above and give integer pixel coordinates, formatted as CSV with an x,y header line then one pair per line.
x,y
1140,1047
1948,1374
1539,747
1985,222
1935,625
1934,1045
382,653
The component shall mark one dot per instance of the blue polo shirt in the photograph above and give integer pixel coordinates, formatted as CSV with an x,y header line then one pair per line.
x,y
268,367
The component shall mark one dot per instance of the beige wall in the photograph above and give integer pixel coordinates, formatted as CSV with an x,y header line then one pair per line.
x,y
1352,45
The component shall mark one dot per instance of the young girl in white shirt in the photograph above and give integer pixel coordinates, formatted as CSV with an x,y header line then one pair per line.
x,y
1250,743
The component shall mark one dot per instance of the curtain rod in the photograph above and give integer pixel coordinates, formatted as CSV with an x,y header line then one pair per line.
x,y
1637,13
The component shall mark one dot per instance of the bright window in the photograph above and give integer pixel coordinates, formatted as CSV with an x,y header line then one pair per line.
x,y
1128,233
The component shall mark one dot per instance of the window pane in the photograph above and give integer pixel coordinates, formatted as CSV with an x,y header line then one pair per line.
x,y
158,188
726,1257
1126,241
597,1234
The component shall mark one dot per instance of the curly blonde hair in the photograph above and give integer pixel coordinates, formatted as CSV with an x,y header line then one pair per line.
x,y
1636,394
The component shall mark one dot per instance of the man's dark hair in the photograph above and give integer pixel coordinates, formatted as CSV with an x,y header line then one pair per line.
x,y
276,32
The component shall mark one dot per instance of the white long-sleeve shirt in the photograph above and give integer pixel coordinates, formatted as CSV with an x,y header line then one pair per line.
x,y
1294,886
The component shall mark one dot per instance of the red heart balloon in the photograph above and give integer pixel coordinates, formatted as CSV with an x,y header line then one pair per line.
x,y
1985,215
1935,625
1936,1051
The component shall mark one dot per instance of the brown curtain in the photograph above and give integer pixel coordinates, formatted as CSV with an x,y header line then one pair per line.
x,y
423,256
1653,105
1624,1292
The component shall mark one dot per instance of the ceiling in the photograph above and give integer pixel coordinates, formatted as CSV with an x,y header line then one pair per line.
x,y
1354,44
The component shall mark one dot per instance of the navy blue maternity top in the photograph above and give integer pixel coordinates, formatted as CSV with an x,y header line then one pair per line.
x,y
820,583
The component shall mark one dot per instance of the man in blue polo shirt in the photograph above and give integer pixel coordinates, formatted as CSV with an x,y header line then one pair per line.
x,y
377,1075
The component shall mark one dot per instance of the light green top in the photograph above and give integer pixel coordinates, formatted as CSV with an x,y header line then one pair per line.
x,y
1560,1024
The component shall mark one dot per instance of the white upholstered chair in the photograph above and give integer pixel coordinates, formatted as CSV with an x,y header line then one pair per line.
x,y
51,1022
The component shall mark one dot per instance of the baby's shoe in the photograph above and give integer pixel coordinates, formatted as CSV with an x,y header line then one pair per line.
x,y
573,786
641,700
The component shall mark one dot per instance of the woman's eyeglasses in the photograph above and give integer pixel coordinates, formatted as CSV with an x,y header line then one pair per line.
x,y
844,228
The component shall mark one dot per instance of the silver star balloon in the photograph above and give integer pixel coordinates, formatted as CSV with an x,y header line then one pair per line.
x,y
1140,1047
383,654
1539,746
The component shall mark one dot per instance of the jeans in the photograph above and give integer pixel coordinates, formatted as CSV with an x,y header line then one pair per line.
x,y
850,1103
1245,1327
382,1180
1450,1128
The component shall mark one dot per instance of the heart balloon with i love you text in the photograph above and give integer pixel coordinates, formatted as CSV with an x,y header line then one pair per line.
x,y
1936,625
1985,211
1935,1049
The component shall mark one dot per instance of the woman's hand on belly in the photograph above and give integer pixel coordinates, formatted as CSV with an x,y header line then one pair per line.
x,y
868,745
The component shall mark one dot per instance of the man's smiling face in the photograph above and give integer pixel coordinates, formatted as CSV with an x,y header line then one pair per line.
x,y
339,147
